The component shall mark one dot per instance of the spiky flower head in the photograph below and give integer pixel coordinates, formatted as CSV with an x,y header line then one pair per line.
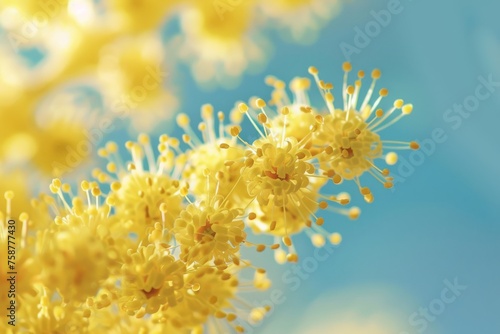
x,y
214,161
80,237
281,173
351,134
146,190
278,171
209,231
151,278
209,301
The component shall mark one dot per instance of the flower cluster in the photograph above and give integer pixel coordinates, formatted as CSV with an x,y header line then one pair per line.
x,y
161,250
115,51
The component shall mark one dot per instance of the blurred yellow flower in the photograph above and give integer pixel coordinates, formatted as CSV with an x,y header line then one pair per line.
x,y
132,75
220,41
300,20
143,192
134,16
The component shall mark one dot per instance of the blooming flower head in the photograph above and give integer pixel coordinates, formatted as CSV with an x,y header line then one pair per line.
x,y
79,238
210,231
213,163
283,176
300,117
146,190
72,211
151,279
350,134
347,142
279,170
210,301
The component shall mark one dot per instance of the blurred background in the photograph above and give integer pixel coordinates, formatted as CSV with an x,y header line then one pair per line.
x,y
421,259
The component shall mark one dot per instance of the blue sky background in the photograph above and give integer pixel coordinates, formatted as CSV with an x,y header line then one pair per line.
x,y
443,222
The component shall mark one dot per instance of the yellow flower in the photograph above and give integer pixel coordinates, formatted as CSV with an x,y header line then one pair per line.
x,y
92,212
46,312
210,300
301,116
281,173
77,251
57,139
347,141
300,19
144,192
209,231
213,163
289,219
61,151
74,262
151,279
278,170
219,40
132,75
351,133
129,15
